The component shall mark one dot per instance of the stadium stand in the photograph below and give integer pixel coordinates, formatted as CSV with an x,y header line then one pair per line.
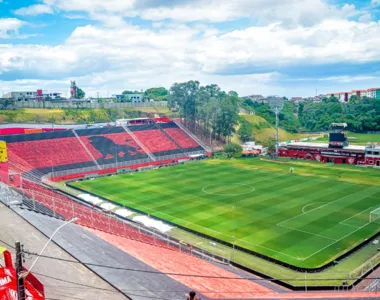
x,y
45,152
181,137
111,145
179,262
87,216
155,140
37,151
36,206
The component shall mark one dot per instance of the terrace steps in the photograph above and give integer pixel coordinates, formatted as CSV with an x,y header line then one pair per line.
x,y
169,137
150,154
203,145
85,148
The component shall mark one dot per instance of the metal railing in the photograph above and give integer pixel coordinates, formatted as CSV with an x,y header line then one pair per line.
x,y
118,164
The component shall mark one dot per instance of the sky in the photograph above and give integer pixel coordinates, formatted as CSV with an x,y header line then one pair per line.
x,y
269,47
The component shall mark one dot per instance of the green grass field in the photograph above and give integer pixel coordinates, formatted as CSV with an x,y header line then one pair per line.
x,y
306,218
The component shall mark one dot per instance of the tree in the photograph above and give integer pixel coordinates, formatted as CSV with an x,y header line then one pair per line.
x,y
80,93
157,94
127,92
246,131
233,150
354,99
233,94
131,92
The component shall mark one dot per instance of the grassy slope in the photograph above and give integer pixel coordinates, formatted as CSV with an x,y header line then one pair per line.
x,y
37,115
264,131
201,196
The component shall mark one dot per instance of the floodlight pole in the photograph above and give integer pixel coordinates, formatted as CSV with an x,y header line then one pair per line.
x,y
277,133
233,237
276,104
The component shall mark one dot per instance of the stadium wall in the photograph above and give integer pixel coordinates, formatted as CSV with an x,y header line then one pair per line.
x,y
6,131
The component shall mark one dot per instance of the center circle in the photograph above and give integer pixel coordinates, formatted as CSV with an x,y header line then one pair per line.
x,y
232,189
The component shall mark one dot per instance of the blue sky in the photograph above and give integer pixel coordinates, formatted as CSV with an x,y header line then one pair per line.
x,y
284,47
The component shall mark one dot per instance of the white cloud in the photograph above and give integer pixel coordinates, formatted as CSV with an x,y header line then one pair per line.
x,y
9,28
273,47
289,12
34,10
108,59
367,17
376,2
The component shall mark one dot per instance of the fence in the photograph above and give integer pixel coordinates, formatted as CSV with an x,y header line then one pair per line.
x,y
92,105
118,165
94,217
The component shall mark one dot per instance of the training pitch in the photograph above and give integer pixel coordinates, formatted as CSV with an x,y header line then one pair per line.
x,y
306,218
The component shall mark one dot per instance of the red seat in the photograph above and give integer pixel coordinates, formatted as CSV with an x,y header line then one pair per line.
x,y
155,140
87,216
181,137
30,155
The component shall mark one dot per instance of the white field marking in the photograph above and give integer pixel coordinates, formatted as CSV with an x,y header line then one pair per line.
x,y
226,189
303,209
221,233
311,233
359,228
348,225
36,236
328,203
187,222
343,222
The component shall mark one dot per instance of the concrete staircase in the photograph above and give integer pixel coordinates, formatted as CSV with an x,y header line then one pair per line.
x,y
169,137
203,145
88,151
138,142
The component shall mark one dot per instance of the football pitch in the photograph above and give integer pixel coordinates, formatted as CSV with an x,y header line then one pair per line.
x,y
306,218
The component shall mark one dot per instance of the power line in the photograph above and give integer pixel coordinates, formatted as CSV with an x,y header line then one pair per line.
x,y
190,275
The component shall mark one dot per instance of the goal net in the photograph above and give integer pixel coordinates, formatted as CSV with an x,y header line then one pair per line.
x,y
374,216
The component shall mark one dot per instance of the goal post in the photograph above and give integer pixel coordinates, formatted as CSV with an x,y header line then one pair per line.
x,y
374,216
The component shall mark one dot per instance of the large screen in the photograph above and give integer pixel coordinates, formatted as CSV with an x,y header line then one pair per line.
x,y
337,137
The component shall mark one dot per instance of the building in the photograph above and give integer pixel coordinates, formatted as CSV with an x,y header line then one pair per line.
x,y
336,151
345,96
21,96
296,100
374,93
73,90
32,96
256,98
135,98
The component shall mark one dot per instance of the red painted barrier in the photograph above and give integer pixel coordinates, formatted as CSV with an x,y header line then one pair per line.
x,y
6,131
113,170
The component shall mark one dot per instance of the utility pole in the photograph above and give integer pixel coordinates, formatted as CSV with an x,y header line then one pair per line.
x,y
20,278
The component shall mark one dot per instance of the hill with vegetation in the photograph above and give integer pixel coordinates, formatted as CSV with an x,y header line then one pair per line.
x,y
264,132
73,116
363,115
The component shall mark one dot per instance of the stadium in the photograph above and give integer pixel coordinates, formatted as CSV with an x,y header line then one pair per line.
x,y
227,228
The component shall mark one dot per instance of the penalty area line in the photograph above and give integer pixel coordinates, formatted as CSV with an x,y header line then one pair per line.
x,y
347,235
307,232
